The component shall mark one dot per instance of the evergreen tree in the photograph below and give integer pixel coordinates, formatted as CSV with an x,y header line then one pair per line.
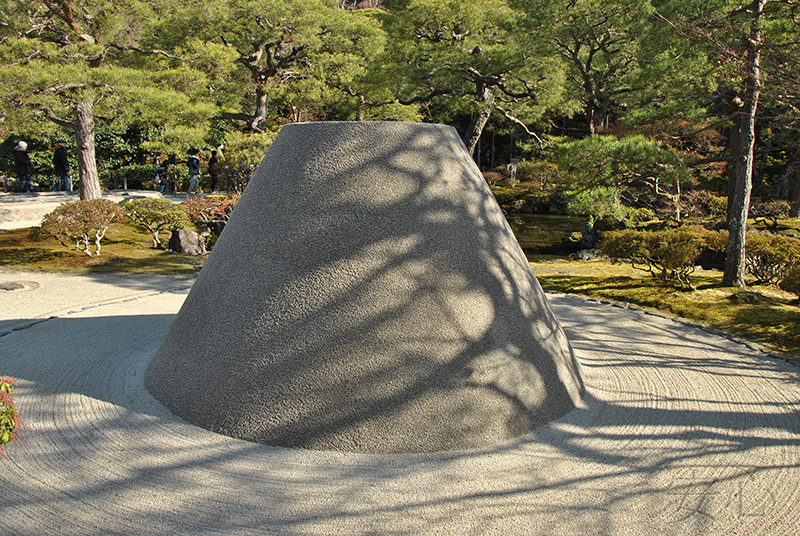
x,y
72,61
470,57
747,45
598,43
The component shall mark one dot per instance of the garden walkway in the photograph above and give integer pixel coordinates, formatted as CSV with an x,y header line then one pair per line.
x,y
683,432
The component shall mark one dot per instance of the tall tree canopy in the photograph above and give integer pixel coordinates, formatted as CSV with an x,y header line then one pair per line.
x,y
473,57
598,42
738,39
72,61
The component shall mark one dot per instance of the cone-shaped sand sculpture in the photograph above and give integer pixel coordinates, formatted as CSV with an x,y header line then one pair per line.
x,y
367,295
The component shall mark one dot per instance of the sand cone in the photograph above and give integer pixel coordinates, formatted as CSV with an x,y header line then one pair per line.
x,y
367,295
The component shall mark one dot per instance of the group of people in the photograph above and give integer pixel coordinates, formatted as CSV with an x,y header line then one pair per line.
x,y
163,179
24,168
23,165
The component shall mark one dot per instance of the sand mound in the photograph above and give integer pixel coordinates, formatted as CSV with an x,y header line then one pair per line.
x,y
367,296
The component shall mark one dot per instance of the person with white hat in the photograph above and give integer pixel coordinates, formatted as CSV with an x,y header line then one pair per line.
x,y
23,166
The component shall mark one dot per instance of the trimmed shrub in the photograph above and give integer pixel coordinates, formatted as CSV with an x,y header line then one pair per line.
x,y
791,283
769,257
205,210
492,177
769,212
669,255
78,224
156,214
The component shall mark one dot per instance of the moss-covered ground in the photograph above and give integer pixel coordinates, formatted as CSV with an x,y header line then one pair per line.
x,y
762,314
125,249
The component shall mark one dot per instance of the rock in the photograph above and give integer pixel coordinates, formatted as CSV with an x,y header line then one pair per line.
x,y
590,255
187,242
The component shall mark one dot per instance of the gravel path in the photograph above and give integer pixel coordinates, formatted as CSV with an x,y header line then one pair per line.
x,y
683,432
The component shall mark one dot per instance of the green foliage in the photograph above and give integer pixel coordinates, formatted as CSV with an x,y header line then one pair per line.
x,y
243,152
631,160
669,255
156,214
9,418
601,203
770,257
717,206
138,176
791,283
469,57
598,42
79,224
545,173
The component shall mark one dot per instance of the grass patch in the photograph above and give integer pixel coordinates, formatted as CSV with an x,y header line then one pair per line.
x,y
763,314
125,249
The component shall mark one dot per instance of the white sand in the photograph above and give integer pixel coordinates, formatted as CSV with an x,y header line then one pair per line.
x,y
684,432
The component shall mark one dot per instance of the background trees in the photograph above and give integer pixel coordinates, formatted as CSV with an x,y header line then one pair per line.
x,y
678,94
73,61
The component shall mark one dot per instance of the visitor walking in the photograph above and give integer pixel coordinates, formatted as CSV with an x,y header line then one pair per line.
x,y
61,167
193,163
213,171
23,167
162,177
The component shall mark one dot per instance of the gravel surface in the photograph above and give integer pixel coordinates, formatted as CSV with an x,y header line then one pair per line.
x,y
683,432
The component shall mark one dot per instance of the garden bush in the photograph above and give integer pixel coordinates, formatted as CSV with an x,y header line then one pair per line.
x,y
769,257
492,177
791,282
769,212
156,214
9,418
717,206
213,208
668,255
79,224
136,177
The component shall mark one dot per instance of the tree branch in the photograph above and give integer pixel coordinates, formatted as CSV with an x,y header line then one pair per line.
x,y
519,122
710,160
154,51
57,120
424,98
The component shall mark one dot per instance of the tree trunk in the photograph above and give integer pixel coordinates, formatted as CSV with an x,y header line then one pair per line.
x,y
795,196
741,170
590,118
259,123
362,104
84,137
486,97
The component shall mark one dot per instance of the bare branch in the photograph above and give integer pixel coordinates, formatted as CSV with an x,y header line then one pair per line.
x,y
154,51
425,98
519,122
56,119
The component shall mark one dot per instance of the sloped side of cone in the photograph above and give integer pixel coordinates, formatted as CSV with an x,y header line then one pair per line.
x,y
367,296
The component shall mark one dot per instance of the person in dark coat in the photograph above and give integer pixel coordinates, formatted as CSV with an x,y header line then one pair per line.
x,y
23,167
61,167
213,171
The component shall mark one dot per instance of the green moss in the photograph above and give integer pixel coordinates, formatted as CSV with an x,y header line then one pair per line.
x,y
126,249
764,314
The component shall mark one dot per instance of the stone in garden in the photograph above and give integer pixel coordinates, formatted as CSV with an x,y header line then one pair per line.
x,y
187,242
367,295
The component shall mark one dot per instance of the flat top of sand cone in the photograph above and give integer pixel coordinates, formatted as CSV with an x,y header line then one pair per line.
x,y
367,295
